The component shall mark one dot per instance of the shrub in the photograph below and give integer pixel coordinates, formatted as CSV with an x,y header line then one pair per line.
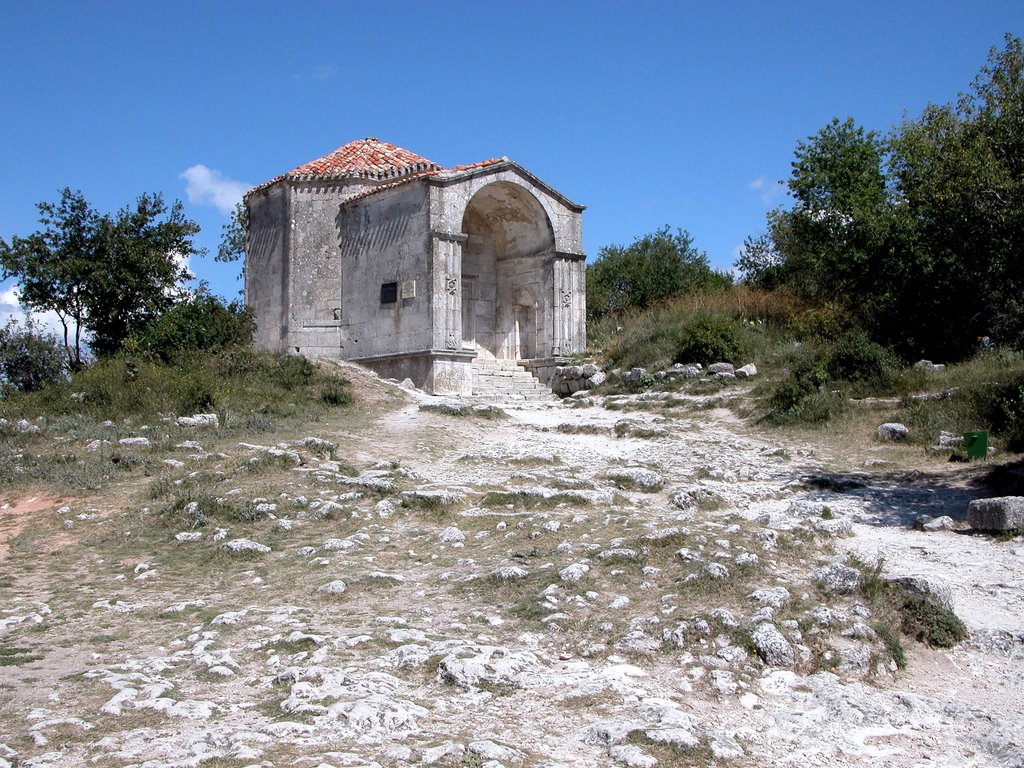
x,y
202,322
654,267
30,358
707,338
823,374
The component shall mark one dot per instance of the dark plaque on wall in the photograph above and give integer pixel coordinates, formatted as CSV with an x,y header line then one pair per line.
x,y
388,293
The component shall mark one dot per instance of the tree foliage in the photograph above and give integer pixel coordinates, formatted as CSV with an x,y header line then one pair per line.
x,y
201,322
654,267
30,358
915,235
107,275
233,235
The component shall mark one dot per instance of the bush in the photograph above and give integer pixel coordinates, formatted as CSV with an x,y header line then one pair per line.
x,y
202,322
707,338
823,374
30,358
984,393
654,267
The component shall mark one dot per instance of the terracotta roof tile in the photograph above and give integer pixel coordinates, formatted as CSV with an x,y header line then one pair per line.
x,y
364,159
371,159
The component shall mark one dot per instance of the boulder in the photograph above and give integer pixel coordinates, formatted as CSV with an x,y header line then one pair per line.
x,y
635,377
747,371
931,588
199,420
772,646
721,368
836,578
892,432
1003,513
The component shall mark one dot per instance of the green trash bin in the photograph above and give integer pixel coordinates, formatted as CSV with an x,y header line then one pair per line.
x,y
976,444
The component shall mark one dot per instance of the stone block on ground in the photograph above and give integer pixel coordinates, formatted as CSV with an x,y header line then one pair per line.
x,y
1002,513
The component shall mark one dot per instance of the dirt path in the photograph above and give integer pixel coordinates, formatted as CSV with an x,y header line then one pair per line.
x,y
575,585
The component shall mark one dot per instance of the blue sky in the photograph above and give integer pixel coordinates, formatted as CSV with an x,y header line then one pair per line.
x,y
649,113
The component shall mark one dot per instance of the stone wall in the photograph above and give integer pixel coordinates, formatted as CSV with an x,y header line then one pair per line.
x,y
266,267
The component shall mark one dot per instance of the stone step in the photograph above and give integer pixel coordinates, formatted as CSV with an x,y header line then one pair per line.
x,y
497,381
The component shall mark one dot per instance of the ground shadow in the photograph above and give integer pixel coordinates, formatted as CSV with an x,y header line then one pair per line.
x,y
899,498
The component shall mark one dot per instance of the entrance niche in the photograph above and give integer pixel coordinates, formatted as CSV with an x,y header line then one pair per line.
x,y
509,238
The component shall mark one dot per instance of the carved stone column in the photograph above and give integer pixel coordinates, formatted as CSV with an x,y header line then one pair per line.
x,y
569,308
447,290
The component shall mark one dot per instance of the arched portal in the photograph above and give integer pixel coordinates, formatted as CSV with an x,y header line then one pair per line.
x,y
504,271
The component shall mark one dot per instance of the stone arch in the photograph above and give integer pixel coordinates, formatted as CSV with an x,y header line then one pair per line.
x,y
509,241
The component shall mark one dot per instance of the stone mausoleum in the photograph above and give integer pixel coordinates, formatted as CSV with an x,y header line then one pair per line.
x,y
463,279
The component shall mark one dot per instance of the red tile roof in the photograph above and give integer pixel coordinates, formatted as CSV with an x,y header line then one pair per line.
x,y
364,159
372,159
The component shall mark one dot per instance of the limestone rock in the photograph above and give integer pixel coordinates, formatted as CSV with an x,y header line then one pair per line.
x,y
469,666
772,646
379,715
774,597
929,523
489,750
631,756
1002,513
574,572
715,571
721,368
724,747
209,420
509,573
241,546
931,588
335,587
747,371
892,432
837,578
451,535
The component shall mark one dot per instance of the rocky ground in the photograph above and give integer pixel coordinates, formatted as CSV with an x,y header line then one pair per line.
x,y
634,580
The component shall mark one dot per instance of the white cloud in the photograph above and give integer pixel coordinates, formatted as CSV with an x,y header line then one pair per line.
x,y
9,298
321,73
770,191
325,72
10,307
205,186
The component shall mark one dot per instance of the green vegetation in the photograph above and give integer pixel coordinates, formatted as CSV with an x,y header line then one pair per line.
x,y
30,358
733,324
201,321
900,611
11,656
108,275
232,383
654,267
489,412
81,419
914,236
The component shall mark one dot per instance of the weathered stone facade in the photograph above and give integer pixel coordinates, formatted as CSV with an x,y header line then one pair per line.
x,y
376,255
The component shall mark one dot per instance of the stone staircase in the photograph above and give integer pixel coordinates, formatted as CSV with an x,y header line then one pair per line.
x,y
503,381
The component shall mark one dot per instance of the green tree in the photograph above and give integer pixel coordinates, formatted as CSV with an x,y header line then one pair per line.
x,y
916,237
829,243
234,235
201,322
960,172
30,358
107,275
652,268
